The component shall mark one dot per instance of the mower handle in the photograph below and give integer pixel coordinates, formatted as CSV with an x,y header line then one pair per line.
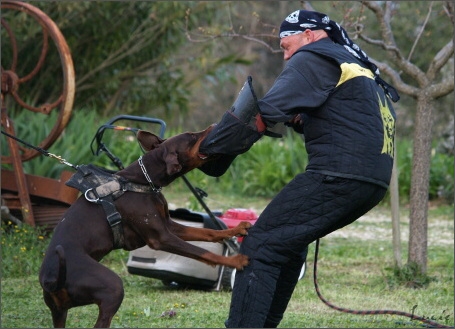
x,y
141,119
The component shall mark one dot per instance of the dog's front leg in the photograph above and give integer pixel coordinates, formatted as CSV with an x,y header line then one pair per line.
x,y
173,244
189,233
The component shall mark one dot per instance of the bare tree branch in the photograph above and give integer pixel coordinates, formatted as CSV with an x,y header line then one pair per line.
x,y
249,37
397,82
139,39
421,31
388,43
383,19
440,60
388,12
380,43
442,89
449,9
255,37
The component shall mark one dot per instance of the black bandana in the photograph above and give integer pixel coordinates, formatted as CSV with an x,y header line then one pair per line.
x,y
301,20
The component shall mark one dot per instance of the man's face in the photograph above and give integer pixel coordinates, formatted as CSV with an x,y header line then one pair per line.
x,y
291,44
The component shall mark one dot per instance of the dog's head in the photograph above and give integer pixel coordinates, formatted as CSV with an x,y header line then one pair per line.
x,y
180,153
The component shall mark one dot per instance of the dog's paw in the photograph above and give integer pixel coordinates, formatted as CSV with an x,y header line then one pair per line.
x,y
242,261
243,227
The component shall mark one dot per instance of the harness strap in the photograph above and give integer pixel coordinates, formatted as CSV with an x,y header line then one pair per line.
x,y
133,187
109,188
115,188
102,187
114,219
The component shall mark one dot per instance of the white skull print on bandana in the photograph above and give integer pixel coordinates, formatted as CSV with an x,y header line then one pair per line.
x,y
308,25
325,20
293,17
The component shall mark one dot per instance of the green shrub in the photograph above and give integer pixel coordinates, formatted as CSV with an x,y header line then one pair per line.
x,y
441,176
270,165
23,249
441,183
73,144
262,171
410,276
404,168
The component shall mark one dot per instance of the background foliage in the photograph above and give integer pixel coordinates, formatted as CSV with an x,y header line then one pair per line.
x,y
262,171
185,61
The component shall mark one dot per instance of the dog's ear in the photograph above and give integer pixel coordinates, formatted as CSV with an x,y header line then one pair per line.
x,y
172,163
148,140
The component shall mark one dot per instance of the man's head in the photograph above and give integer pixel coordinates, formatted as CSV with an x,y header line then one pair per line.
x,y
301,28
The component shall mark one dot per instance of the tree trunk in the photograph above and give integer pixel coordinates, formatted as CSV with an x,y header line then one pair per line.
x,y
395,204
418,225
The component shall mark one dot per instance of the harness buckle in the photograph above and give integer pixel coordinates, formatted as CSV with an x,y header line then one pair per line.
x,y
95,200
114,219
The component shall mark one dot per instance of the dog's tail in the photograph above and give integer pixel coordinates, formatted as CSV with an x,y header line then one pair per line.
x,y
61,277
54,282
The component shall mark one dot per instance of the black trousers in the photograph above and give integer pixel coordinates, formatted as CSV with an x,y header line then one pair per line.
x,y
309,207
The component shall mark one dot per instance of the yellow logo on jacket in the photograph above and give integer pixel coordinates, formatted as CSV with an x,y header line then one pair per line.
x,y
352,70
388,122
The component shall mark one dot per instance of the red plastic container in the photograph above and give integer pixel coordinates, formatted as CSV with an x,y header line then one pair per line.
x,y
232,217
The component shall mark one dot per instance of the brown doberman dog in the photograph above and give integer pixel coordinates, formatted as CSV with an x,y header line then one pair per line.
x,y
71,274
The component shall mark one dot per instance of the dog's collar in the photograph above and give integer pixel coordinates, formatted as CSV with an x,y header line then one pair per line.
x,y
147,177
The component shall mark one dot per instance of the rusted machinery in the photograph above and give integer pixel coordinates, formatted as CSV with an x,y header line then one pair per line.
x,y
34,200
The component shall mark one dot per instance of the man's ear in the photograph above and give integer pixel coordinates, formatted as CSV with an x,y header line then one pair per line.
x,y
148,140
172,163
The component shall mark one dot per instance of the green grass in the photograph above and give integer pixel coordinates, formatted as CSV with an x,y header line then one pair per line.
x,y
354,271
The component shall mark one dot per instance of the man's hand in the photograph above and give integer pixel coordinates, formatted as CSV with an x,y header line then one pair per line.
x,y
260,125
295,123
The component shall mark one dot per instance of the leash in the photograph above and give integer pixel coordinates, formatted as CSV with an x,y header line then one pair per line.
x,y
106,201
366,312
42,151
232,244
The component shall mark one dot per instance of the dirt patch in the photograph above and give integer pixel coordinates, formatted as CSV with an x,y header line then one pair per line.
x,y
376,226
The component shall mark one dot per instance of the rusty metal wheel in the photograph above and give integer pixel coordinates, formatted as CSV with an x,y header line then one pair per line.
x,y
11,81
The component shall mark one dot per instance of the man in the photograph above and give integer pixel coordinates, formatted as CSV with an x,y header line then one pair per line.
x,y
331,93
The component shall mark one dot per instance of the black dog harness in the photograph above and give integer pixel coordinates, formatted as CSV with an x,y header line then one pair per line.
x,y
102,186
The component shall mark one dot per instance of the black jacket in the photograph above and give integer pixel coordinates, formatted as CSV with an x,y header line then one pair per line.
x,y
349,123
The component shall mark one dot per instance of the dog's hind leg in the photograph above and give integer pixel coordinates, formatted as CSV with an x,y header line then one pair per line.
x,y
89,282
59,318
109,296
58,314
